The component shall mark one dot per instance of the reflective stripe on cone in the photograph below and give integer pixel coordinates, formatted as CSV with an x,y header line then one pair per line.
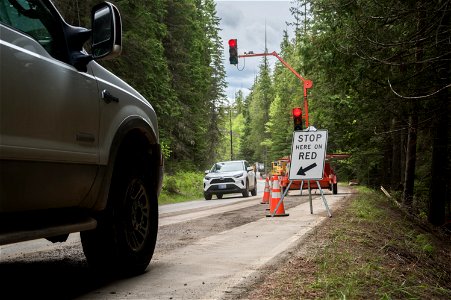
x,y
275,198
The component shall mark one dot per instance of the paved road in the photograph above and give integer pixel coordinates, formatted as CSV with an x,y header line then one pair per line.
x,y
206,250
212,267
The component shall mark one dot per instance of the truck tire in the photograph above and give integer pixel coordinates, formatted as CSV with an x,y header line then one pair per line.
x,y
207,196
245,192
335,188
124,240
254,190
219,196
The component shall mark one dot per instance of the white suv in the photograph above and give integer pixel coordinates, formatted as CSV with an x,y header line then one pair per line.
x,y
227,177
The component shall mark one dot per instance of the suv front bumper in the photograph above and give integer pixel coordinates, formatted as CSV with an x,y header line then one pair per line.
x,y
225,185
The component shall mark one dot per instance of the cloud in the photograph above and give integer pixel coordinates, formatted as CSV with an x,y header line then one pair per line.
x,y
231,16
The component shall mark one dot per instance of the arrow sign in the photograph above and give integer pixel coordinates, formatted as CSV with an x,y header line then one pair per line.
x,y
302,171
308,153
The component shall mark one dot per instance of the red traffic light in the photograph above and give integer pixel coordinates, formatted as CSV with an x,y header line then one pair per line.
x,y
233,51
232,43
297,118
297,112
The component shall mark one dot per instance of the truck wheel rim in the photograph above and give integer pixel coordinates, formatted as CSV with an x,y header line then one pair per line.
x,y
138,203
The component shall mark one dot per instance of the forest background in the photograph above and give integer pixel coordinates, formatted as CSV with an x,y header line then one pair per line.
x,y
381,73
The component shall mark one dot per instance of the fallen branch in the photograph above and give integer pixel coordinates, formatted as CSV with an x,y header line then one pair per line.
x,y
385,192
390,197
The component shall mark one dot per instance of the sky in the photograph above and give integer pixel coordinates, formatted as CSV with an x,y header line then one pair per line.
x,y
245,21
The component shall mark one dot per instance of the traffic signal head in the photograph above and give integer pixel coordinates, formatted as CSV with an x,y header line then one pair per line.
x,y
233,51
297,118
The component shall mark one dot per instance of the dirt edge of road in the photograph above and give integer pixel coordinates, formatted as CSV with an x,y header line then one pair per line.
x,y
257,285
386,254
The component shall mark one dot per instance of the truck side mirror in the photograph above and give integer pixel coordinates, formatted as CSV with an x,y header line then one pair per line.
x,y
106,31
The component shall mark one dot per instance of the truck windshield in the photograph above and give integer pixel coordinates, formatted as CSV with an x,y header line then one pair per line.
x,y
34,19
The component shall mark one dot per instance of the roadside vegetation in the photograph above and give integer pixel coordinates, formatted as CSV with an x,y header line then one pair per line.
x,y
381,75
181,186
370,249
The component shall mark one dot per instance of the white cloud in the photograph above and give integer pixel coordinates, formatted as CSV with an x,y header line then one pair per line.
x,y
246,21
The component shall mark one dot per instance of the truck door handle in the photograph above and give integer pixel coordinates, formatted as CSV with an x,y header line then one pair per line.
x,y
108,97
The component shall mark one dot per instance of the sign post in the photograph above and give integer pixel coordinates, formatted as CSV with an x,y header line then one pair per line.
x,y
308,154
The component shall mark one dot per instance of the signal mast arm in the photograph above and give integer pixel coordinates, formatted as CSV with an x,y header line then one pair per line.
x,y
307,83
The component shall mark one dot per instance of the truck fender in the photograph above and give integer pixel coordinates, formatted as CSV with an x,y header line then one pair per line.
x,y
133,125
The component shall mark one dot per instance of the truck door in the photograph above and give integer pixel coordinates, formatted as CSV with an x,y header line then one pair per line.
x,y
48,114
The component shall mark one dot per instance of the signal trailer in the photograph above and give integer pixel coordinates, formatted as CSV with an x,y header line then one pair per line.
x,y
329,180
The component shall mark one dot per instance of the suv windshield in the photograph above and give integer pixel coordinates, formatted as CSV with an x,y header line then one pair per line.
x,y
227,166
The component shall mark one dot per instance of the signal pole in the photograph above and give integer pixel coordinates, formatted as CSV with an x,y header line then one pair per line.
x,y
306,82
231,138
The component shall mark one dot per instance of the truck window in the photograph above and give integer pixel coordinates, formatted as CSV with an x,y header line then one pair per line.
x,y
34,19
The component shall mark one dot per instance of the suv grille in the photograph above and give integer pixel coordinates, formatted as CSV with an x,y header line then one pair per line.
x,y
218,180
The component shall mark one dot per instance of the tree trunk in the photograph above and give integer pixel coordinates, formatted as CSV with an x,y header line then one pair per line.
x,y
396,182
404,134
387,161
411,157
440,189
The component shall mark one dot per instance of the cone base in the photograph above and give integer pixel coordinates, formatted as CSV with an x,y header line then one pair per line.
x,y
279,215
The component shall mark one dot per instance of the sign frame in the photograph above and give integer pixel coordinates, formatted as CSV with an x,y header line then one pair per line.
x,y
308,154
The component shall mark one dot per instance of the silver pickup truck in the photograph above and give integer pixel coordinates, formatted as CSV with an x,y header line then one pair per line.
x,y
79,147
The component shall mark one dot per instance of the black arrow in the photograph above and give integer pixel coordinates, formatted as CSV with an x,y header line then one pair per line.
x,y
302,171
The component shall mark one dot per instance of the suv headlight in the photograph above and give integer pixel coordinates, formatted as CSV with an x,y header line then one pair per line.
x,y
238,175
207,177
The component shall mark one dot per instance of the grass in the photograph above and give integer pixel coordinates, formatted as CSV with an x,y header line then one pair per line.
x,y
180,187
369,250
377,252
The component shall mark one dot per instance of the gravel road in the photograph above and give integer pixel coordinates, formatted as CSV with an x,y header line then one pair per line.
x,y
205,250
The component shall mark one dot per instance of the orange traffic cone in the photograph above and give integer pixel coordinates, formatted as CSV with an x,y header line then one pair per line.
x,y
275,199
265,199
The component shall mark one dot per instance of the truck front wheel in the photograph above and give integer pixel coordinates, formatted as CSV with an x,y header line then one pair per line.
x,y
124,240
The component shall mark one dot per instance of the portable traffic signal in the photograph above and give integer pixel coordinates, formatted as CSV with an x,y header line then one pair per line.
x,y
297,118
233,51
